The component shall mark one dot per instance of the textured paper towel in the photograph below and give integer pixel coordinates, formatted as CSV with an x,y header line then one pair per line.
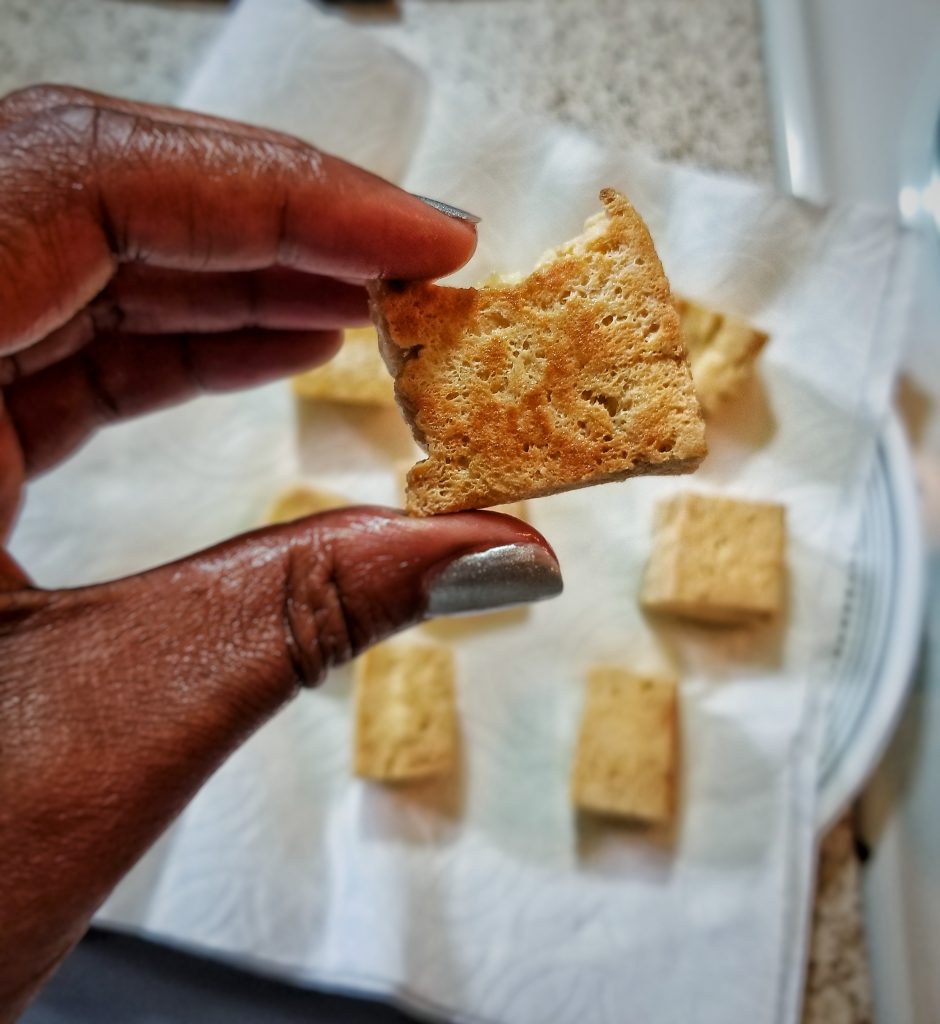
x,y
486,899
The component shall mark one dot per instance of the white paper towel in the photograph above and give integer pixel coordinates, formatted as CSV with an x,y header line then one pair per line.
x,y
486,899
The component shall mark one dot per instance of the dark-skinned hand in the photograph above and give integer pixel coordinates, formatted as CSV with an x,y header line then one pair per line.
x,y
148,255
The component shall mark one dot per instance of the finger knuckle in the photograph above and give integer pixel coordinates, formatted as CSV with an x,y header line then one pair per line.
x,y
320,629
81,133
49,144
33,99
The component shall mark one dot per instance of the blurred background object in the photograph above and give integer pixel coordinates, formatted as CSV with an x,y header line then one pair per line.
x,y
684,77
855,102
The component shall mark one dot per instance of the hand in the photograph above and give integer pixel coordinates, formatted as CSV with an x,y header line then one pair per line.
x,y
146,255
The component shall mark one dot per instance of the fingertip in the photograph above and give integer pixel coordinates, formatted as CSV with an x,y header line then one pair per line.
x,y
449,211
390,233
443,241
394,570
450,533
497,525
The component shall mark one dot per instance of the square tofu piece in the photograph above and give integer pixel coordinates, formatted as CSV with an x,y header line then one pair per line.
x,y
299,501
406,713
716,560
722,352
572,376
356,375
627,754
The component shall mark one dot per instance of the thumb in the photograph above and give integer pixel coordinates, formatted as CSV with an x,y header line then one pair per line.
x,y
117,701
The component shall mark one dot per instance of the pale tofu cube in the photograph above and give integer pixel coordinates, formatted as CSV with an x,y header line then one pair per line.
x,y
716,559
722,353
626,762
406,713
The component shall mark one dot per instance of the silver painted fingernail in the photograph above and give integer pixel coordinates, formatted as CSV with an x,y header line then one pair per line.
x,y
450,211
495,578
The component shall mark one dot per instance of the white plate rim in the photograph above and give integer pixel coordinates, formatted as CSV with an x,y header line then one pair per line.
x,y
889,692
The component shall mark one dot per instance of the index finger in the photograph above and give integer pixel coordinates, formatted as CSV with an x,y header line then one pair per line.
x,y
110,185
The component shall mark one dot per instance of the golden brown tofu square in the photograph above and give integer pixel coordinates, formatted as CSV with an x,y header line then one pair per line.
x,y
722,352
574,375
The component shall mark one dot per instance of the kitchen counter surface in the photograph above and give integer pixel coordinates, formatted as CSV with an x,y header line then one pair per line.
x,y
684,77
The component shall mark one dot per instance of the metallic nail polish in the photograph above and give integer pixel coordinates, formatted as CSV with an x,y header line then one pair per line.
x,y
450,211
495,578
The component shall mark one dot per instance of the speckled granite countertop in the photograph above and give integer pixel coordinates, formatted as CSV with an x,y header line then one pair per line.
x,y
682,76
